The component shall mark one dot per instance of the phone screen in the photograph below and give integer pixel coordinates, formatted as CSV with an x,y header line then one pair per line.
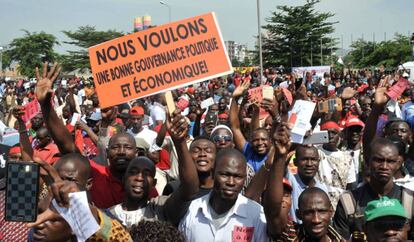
x,y
22,189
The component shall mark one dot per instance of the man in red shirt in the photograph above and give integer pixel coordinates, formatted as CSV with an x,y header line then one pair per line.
x,y
107,189
46,150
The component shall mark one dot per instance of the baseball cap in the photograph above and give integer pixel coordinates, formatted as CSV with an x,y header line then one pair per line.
x,y
286,184
137,110
141,143
354,121
384,207
330,125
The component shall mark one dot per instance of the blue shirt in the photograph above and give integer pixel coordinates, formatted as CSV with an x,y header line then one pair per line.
x,y
254,159
297,188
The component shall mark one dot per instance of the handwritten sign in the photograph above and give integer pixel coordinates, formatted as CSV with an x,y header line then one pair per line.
x,y
159,59
242,234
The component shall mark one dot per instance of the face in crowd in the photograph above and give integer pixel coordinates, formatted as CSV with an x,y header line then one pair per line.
x,y
334,138
42,134
354,134
387,229
203,152
401,129
37,121
222,138
260,141
71,167
384,162
315,211
222,105
121,150
139,178
229,174
307,161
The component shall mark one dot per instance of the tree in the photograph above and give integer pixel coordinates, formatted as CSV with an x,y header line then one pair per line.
x,y
30,51
293,36
388,53
83,38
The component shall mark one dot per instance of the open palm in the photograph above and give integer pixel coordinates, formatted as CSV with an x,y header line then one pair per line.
x,y
45,81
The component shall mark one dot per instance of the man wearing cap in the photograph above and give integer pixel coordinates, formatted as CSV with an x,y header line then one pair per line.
x,y
386,220
335,165
353,137
136,116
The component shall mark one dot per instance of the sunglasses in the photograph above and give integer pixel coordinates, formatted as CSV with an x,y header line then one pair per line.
x,y
385,225
218,138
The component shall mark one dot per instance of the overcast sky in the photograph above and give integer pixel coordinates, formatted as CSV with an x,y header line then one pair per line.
x,y
237,18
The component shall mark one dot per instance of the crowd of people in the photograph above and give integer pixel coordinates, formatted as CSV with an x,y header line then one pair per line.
x,y
225,172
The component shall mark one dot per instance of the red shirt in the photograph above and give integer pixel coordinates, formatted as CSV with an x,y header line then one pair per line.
x,y
164,162
10,231
47,153
107,190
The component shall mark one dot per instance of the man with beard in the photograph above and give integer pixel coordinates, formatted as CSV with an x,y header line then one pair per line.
x,y
107,189
139,180
383,165
256,150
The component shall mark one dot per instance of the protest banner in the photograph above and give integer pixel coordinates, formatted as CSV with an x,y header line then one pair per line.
x,y
159,59
30,110
318,70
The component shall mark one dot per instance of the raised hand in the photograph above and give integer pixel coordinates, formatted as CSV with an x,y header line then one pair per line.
x,y
177,127
380,97
18,112
241,89
281,139
348,93
45,81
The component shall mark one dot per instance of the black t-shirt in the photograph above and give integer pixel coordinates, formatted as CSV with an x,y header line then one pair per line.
x,y
345,225
173,185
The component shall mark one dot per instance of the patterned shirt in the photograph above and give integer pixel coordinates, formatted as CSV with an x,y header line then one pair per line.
x,y
10,231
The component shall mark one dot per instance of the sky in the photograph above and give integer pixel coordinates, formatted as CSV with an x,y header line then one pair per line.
x,y
237,18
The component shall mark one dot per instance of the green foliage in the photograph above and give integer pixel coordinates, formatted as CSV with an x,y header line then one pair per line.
x,y
83,38
30,51
293,36
388,53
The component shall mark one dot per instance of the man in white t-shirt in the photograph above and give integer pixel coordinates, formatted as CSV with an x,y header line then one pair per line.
x,y
157,110
224,214
136,116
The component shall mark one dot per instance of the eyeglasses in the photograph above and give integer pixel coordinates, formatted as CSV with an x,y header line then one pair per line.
x,y
218,138
390,224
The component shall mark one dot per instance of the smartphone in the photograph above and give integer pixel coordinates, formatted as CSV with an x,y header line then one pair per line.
x,y
22,189
320,137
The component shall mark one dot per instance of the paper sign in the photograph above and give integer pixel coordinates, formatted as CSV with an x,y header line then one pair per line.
x,y
78,216
268,92
397,90
207,103
75,118
183,103
299,117
330,105
30,110
242,234
158,59
170,102
256,94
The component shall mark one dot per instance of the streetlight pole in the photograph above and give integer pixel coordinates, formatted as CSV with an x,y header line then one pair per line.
x,y
1,61
260,40
169,10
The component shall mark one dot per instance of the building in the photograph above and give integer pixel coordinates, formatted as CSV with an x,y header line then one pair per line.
x,y
236,51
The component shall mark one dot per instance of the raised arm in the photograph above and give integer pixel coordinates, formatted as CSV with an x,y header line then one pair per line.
x,y
276,215
371,124
177,205
258,184
239,139
63,139
25,146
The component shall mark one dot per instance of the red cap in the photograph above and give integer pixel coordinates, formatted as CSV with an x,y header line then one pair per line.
x,y
354,121
223,116
330,125
137,110
286,184
15,150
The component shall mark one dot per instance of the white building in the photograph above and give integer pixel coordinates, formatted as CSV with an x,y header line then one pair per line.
x,y
236,51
